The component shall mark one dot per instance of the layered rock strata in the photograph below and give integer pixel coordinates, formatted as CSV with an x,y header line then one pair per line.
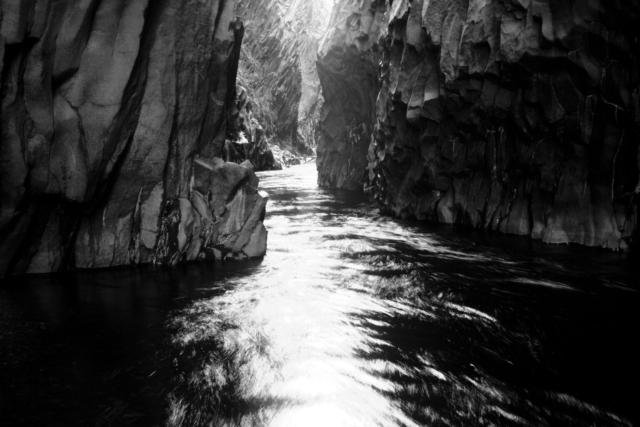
x,y
106,105
520,116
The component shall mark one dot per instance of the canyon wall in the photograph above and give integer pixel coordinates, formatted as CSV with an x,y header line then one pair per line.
x,y
520,116
114,116
348,70
277,68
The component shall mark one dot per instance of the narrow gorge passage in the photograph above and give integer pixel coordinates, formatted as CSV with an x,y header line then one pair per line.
x,y
305,213
351,319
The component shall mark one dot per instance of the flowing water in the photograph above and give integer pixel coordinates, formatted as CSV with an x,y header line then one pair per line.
x,y
351,319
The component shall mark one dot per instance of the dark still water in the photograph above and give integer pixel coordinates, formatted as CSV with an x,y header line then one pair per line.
x,y
350,320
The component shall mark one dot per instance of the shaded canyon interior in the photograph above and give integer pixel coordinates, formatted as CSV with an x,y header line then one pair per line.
x,y
116,117
364,212
519,116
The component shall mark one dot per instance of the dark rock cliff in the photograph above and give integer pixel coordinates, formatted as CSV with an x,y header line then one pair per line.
x,y
114,114
348,71
520,116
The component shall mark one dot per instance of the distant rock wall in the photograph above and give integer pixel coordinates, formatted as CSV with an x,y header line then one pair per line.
x,y
106,105
520,116
247,137
278,70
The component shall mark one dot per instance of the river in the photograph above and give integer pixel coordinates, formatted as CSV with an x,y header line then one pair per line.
x,y
351,319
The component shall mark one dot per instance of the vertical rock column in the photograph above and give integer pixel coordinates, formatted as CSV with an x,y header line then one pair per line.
x,y
105,107
514,116
349,73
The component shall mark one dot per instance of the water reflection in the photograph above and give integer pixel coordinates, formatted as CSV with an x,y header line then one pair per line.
x,y
350,320
359,320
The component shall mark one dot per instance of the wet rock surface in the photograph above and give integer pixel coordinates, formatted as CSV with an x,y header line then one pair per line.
x,y
515,116
106,105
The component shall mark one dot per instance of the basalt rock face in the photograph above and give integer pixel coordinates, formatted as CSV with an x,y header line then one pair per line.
x,y
106,105
278,68
520,116
348,70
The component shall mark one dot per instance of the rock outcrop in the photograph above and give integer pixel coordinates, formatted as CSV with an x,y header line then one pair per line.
x,y
520,116
114,116
277,68
247,139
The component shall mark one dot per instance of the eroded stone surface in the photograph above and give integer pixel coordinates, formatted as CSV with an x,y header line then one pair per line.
x,y
105,107
348,70
516,116
278,68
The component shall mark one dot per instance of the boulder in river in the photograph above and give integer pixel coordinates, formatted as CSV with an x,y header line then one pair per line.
x,y
224,212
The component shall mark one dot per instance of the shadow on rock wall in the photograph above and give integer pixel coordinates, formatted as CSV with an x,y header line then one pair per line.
x,y
517,116
105,106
